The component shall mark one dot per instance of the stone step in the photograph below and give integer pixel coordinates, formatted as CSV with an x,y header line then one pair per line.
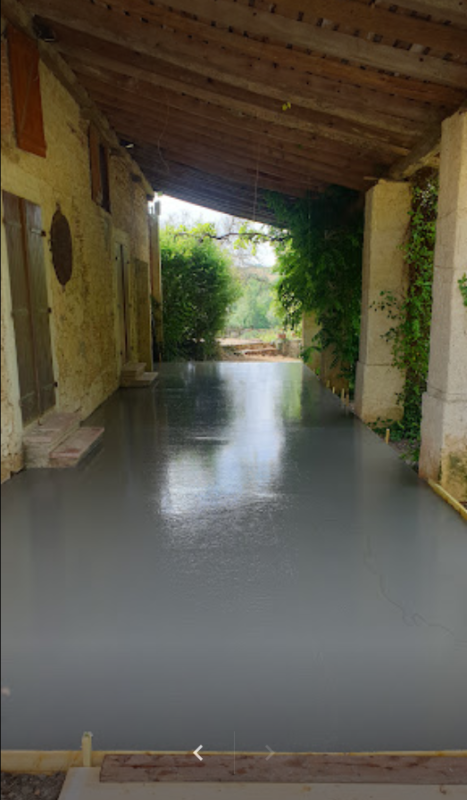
x,y
270,351
140,381
132,369
43,437
76,447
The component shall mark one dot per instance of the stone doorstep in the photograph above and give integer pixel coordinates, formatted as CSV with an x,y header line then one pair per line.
x,y
268,352
40,439
76,447
132,369
146,379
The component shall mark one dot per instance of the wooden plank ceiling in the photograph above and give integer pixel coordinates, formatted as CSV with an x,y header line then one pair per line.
x,y
223,99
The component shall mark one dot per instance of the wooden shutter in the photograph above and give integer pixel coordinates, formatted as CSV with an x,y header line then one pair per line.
x,y
95,163
26,91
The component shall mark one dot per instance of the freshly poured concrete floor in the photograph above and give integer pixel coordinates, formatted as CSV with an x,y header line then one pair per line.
x,y
243,564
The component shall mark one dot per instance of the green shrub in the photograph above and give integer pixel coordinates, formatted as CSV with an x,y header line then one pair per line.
x,y
411,316
198,289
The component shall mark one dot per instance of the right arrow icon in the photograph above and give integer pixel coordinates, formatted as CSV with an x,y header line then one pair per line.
x,y
271,753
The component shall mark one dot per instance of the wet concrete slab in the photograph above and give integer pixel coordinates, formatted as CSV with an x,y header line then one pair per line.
x,y
84,784
242,564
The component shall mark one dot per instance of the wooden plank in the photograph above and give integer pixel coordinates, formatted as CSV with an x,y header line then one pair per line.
x,y
267,172
201,114
332,97
182,39
258,108
453,10
376,20
152,130
324,40
417,769
425,153
239,175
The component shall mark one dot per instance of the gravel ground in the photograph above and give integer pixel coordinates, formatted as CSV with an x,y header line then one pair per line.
x,y
31,787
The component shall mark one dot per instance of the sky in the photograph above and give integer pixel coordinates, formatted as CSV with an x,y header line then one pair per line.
x,y
180,212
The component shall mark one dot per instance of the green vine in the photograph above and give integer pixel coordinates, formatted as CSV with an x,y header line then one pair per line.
x,y
463,288
411,315
319,257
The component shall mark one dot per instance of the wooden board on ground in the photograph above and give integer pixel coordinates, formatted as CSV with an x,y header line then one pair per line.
x,y
414,769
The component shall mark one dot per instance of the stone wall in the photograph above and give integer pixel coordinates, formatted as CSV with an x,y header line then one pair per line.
x,y
84,318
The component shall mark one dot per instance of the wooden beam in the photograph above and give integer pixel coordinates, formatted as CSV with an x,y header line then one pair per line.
x,y
258,108
300,169
198,114
453,10
163,129
180,40
376,20
150,161
424,154
186,151
324,40
316,93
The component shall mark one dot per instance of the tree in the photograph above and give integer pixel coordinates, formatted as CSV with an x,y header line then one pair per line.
x,y
198,289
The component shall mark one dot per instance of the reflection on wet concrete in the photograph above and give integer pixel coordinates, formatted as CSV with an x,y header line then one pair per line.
x,y
242,555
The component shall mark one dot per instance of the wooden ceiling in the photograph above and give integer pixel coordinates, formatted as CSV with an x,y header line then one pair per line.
x,y
223,99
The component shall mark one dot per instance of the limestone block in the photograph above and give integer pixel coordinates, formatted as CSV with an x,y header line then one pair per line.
x,y
443,455
372,400
384,270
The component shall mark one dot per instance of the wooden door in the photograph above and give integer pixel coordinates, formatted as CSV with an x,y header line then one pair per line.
x,y
121,260
30,308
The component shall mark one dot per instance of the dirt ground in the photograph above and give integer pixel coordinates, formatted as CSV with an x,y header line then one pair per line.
x,y
31,787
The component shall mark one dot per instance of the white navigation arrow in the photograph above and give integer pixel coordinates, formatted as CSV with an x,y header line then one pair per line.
x,y
271,753
196,752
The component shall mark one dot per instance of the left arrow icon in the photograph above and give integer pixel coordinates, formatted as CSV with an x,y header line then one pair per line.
x,y
196,752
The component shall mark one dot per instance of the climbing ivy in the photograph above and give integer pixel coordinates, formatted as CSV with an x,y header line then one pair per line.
x,y
411,315
463,288
319,257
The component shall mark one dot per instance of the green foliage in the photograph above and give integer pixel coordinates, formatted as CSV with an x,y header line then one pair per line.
x,y
411,315
198,289
320,265
463,288
255,308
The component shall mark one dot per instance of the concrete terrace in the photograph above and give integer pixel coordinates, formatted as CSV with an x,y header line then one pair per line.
x,y
245,556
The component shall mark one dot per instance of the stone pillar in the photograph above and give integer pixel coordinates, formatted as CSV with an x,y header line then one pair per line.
x,y
309,330
378,382
443,456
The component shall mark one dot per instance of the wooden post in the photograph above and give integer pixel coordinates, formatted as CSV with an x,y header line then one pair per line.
x,y
86,748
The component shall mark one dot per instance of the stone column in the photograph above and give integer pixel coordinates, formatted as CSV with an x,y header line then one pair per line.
x,y
378,382
309,330
443,456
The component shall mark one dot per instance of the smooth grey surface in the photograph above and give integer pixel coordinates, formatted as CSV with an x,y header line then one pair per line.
x,y
243,555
